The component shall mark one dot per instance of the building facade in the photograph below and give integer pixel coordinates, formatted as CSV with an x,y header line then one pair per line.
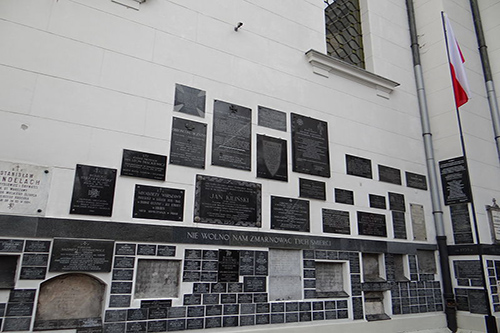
x,y
174,165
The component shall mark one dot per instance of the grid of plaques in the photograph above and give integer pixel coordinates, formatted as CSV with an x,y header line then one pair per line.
x,y
420,294
494,277
18,310
35,260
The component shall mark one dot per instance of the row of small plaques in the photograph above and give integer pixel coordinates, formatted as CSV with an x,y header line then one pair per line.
x,y
362,167
19,310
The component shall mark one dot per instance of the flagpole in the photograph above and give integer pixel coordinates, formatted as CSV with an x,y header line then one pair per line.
x,y
490,320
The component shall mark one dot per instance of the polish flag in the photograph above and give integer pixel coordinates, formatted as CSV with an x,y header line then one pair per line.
x,y
460,84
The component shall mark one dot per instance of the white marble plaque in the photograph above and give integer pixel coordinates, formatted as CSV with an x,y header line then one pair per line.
x,y
418,222
24,188
285,275
157,278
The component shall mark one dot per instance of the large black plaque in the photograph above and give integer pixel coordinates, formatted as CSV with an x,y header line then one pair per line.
x,y
93,190
69,255
377,201
397,202
358,166
188,143
455,181
272,118
289,214
232,130
8,268
467,269
312,189
228,202
460,221
336,221
143,165
229,266
272,158
189,100
389,175
344,196
310,153
416,180
399,224
160,203
371,224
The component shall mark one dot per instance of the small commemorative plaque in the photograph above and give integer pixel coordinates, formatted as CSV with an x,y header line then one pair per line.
x,y
272,118
35,259
371,224
312,189
159,203
397,202
70,255
344,196
254,284
389,175
188,143
460,221
289,214
336,221
232,136
119,301
358,166
229,266
143,165
124,262
272,158
146,249
247,263
455,181
33,273
11,245
415,180
310,153
189,100
125,249
261,262
37,246
227,202
165,251
93,190
121,287
377,201
399,224
22,295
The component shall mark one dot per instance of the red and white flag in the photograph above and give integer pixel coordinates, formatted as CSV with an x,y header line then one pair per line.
x,y
460,84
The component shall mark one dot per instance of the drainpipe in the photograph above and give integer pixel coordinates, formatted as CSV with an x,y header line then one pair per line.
x,y
488,77
437,212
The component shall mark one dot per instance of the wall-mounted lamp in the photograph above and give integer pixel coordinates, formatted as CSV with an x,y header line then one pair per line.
x,y
239,25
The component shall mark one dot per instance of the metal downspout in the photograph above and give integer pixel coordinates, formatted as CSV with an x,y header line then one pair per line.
x,y
437,213
488,77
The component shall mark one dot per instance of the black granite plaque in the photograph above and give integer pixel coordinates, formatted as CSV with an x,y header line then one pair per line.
x,y
310,153
112,316
289,214
70,255
119,301
32,273
261,263
201,288
165,251
397,202
192,265
192,254
124,262
114,328
93,190
209,265
196,311
157,326
8,269
213,310
227,202
272,118
399,224
189,100
143,165
191,276
460,220
195,323
22,295
230,321
137,314
312,189
272,158
192,299
336,221
146,249
37,246
358,166
210,255
260,298
209,276
229,262
467,269
227,298
212,322
123,274
159,303
121,287
35,259
125,249
232,130
11,245
136,327
176,312
157,313
219,287
254,284
371,224
377,201
247,263
159,203
455,181
19,309
17,324
389,175
188,144
344,196
416,180
477,301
